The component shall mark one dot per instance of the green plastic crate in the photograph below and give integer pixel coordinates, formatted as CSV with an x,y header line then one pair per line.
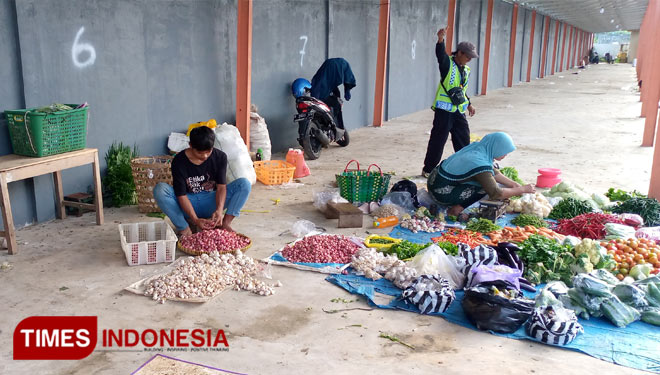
x,y
43,134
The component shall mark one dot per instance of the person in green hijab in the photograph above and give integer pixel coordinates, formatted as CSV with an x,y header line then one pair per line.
x,y
469,175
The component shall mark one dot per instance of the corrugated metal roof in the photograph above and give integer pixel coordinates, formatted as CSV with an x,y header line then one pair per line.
x,y
593,15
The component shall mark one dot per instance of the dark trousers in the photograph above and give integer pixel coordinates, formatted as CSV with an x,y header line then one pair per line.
x,y
445,123
334,104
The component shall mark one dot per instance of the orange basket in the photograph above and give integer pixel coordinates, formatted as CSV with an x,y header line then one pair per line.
x,y
274,172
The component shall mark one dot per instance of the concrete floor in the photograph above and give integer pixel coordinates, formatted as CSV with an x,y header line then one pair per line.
x,y
585,124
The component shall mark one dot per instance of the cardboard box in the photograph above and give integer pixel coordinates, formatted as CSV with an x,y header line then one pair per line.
x,y
349,216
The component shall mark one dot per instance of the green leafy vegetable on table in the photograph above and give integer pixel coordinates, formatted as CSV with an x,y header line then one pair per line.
x,y
406,249
512,173
618,195
546,260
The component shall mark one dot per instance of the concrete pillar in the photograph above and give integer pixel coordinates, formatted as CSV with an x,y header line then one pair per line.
x,y
244,68
451,15
634,42
568,52
563,48
544,45
651,84
531,46
512,44
554,49
486,56
381,62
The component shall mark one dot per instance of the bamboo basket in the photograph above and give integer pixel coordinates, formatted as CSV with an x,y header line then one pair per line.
x,y
147,173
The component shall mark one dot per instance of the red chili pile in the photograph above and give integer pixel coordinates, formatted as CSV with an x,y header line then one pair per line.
x,y
321,249
215,240
591,225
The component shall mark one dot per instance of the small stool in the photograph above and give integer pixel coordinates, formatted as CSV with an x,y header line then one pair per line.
x,y
78,198
548,177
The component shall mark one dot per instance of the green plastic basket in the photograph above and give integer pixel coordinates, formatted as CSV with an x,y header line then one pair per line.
x,y
362,185
43,134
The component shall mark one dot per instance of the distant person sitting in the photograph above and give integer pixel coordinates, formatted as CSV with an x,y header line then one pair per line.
x,y
609,58
200,193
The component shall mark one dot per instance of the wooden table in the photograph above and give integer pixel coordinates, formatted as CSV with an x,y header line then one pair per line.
x,y
16,168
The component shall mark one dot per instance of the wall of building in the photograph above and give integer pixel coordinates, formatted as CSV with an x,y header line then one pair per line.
x,y
634,42
148,68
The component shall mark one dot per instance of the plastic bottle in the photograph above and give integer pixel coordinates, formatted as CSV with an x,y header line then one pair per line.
x,y
260,154
385,222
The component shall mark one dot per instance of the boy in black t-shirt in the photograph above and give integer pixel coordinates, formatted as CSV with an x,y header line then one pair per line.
x,y
200,193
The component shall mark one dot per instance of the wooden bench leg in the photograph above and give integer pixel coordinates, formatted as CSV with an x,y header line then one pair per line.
x,y
98,192
59,195
7,219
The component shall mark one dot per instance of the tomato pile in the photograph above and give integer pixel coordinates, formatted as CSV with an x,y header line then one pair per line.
x,y
630,252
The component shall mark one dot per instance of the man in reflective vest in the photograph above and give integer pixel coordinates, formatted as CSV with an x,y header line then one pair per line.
x,y
449,105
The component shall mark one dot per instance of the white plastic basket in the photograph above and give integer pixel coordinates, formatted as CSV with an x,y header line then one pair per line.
x,y
148,243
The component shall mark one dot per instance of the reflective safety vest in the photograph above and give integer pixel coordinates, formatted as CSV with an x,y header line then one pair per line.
x,y
452,79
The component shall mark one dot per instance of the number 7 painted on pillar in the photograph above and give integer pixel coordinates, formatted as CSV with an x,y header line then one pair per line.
x,y
302,51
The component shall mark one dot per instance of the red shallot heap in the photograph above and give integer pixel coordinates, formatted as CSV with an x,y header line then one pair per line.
x,y
321,249
215,240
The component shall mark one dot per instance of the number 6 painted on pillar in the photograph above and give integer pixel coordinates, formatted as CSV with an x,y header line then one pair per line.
x,y
302,51
79,48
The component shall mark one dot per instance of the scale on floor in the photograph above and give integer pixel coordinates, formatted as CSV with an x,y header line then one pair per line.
x,y
492,210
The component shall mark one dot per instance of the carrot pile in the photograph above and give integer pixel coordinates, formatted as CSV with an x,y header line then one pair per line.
x,y
520,234
467,237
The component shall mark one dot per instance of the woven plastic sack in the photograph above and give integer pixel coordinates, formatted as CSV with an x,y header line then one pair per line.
x,y
554,325
479,256
430,294
361,186
239,164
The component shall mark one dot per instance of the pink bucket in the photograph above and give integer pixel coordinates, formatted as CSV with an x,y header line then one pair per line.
x,y
548,177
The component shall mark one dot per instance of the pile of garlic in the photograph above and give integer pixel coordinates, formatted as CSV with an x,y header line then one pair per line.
x,y
207,275
534,204
401,276
373,263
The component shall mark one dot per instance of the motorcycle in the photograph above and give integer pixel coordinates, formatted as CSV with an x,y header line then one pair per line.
x,y
317,126
320,121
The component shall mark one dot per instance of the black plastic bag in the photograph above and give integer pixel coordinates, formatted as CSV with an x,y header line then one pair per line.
x,y
495,313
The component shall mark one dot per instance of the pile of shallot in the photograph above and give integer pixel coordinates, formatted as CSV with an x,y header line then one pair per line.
x,y
321,249
207,275
215,240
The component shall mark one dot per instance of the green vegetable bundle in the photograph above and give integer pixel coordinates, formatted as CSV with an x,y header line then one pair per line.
x,y
619,195
523,220
511,173
546,260
448,247
119,179
482,225
647,208
569,208
406,249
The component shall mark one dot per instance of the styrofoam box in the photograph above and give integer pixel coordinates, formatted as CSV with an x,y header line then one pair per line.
x,y
148,243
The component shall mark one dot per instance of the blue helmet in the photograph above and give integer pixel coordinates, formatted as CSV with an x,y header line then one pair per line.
x,y
299,86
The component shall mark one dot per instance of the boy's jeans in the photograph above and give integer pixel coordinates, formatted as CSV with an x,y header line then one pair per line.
x,y
203,203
